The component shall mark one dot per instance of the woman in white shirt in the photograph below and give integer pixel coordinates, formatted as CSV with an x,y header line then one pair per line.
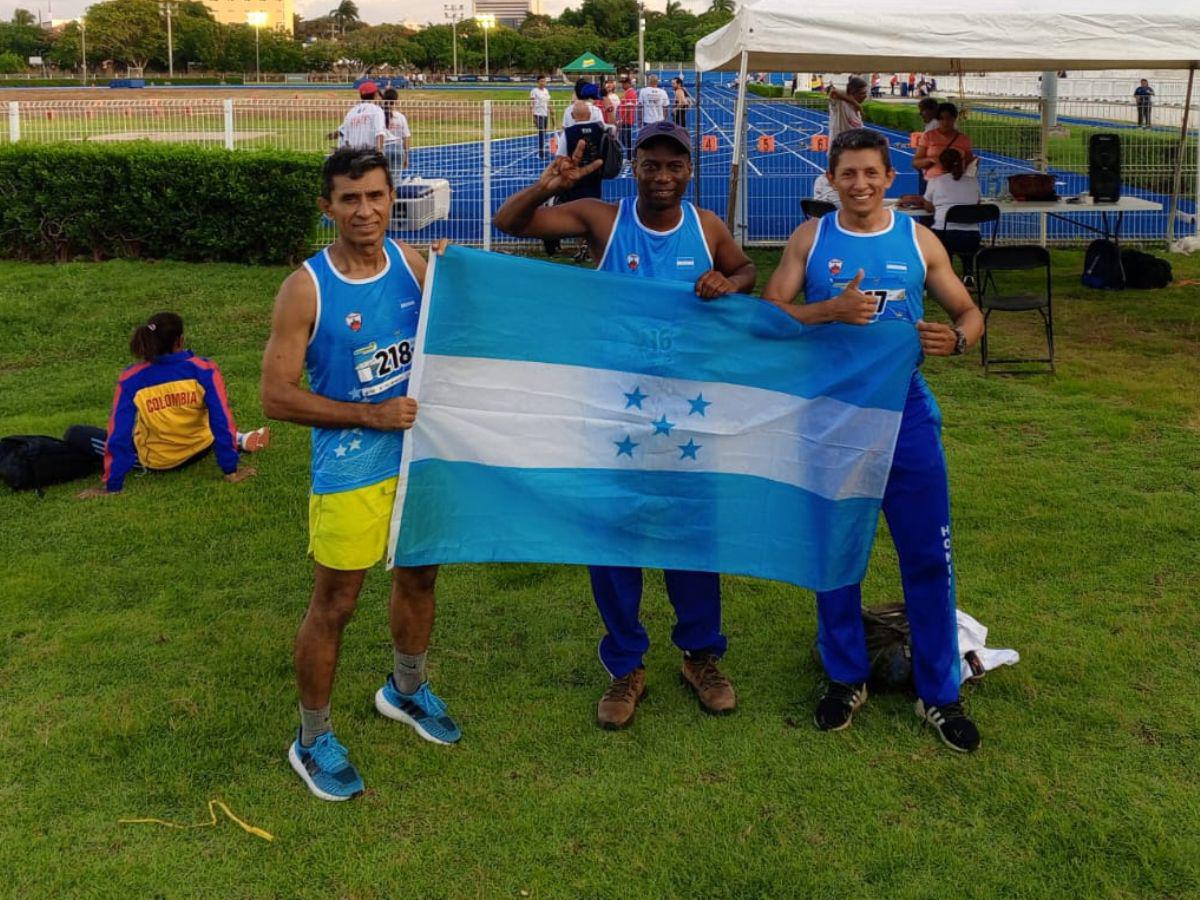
x,y
398,142
954,189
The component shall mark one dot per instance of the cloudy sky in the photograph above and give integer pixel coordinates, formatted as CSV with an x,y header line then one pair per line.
x,y
373,11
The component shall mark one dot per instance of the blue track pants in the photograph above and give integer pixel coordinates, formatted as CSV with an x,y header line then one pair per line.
x,y
696,597
916,503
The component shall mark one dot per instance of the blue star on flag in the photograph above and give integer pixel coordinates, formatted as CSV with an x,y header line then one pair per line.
x,y
662,426
635,397
625,447
699,404
688,450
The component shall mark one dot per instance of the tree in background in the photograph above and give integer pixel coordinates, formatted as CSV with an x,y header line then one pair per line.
x,y
128,32
346,13
23,17
727,7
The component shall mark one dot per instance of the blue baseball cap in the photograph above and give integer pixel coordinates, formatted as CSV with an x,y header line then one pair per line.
x,y
665,129
589,92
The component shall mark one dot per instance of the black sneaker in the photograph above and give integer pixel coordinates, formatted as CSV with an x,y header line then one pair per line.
x,y
837,707
956,730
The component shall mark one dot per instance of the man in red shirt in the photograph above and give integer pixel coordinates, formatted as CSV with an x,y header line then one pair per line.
x,y
627,113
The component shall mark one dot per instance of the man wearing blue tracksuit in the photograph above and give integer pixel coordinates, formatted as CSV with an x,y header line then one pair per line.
x,y
856,266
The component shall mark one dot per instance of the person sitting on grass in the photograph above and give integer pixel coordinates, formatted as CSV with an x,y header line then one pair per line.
x,y
170,410
957,189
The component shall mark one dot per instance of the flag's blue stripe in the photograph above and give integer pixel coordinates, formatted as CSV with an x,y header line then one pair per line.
x,y
467,512
499,307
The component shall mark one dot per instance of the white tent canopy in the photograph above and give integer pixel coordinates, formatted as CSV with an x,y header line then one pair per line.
x,y
952,37
999,36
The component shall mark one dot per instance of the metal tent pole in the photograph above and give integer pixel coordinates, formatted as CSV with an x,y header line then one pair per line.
x,y
696,143
1177,179
739,144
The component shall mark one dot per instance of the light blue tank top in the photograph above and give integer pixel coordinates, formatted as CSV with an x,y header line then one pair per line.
x,y
680,254
893,271
360,351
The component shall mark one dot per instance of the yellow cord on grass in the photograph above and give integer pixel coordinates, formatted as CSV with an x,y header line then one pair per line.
x,y
249,829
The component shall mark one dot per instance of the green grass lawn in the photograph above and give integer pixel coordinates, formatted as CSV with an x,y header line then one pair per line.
x,y
145,658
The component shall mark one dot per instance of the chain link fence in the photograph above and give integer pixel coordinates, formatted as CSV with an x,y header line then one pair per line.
x,y
468,156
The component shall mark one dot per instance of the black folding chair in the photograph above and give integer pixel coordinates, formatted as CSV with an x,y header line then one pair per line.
x,y
981,214
1020,258
814,209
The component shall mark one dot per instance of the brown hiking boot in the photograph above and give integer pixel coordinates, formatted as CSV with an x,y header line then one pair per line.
x,y
713,688
619,702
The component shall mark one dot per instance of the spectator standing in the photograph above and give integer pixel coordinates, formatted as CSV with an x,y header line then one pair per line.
x,y
845,107
945,136
957,189
364,125
590,133
1142,95
912,83
894,83
539,105
627,114
610,102
682,102
928,110
875,89
398,144
589,94
654,102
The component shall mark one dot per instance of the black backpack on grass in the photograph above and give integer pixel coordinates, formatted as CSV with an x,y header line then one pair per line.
x,y
1143,271
32,462
1102,266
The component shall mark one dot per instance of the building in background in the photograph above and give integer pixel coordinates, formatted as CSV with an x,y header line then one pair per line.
x,y
508,12
235,12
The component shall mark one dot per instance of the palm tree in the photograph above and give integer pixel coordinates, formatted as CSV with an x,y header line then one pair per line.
x,y
723,6
673,7
345,14
23,17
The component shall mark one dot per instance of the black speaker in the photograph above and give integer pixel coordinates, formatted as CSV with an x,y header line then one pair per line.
x,y
1104,168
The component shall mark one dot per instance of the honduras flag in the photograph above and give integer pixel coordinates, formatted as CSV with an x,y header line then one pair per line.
x,y
574,416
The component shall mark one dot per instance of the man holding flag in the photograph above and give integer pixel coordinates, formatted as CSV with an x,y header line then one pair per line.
x,y
659,236
348,319
860,265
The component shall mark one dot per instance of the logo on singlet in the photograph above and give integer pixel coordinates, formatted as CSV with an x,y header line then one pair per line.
x,y
835,266
354,320
632,261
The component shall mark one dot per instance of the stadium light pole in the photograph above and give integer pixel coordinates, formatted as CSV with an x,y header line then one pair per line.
x,y
257,20
455,12
641,42
170,41
486,22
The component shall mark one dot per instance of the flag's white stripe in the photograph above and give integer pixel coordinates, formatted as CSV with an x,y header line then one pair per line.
x,y
537,415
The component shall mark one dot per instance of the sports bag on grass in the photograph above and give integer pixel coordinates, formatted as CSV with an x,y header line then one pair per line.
x,y
1102,266
1143,271
31,462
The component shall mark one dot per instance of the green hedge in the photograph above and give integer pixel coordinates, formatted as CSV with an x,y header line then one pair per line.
x,y
899,116
765,90
61,201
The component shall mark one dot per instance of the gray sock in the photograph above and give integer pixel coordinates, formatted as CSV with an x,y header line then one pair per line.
x,y
408,671
313,724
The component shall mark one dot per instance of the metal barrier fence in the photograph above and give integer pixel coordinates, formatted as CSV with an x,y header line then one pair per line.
x,y
468,156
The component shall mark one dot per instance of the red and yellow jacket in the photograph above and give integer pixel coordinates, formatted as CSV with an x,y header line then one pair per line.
x,y
166,411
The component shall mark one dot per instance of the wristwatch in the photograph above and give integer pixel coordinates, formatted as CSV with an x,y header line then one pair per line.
x,y
960,342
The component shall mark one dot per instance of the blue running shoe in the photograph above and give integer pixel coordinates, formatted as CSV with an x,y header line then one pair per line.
x,y
423,710
325,768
